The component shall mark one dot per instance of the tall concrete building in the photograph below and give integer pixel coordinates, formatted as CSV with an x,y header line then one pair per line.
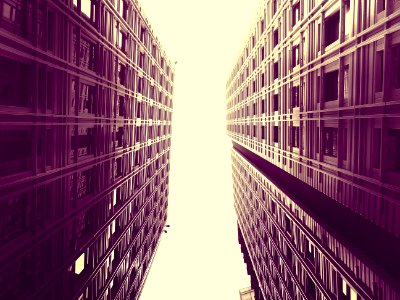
x,y
313,112
85,129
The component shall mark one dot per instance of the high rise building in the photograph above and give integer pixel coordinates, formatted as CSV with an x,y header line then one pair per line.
x,y
85,128
313,114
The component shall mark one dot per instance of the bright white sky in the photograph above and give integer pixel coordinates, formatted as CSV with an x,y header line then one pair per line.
x,y
199,258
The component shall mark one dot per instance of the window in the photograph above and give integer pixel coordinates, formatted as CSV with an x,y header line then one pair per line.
x,y
84,182
83,142
50,31
276,102
17,17
276,70
276,37
331,85
121,73
121,110
87,53
86,98
262,132
295,142
348,24
346,82
276,134
332,28
262,80
295,96
394,149
85,7
9,12
330,141
295,55
262,53
16,156
118,170
143,35
395,65
295,13
381,6
379,71
262,106
274,6
80,264
13,76
376,148
122,41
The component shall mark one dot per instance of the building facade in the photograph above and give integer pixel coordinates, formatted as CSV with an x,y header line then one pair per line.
x,y
246,294
85,129
313,114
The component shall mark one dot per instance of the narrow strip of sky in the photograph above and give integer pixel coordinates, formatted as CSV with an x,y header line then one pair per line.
x,y
199,257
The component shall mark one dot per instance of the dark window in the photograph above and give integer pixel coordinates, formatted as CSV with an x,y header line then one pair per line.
x,y
330,141
379,71
394,149
143,35
120,137
343,151
121,110
50,31
15,217
262,26
295,55
310,289
276,70
15,82
295,13
121,73
295,136
16,154
395,66
83,142
17,17
376,148
274,7
276,37
331,85
87,58
262,106
295,96
276,134
332,28
262,53
381,5
276,102
141,60
84,182
262,80
118,166
262,132
86,99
